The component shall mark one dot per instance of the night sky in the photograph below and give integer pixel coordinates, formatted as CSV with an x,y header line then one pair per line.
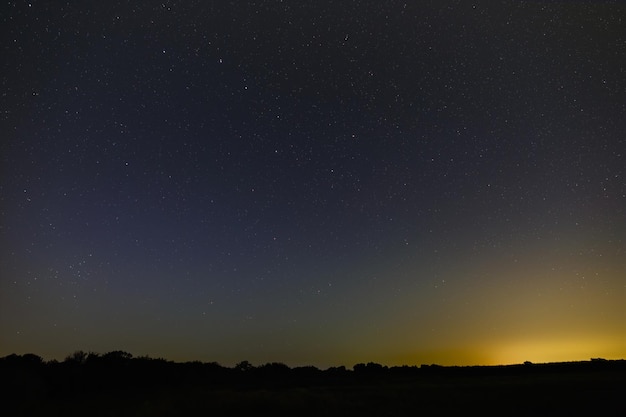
x,y
314,183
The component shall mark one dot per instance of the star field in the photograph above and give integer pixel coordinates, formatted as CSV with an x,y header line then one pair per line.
x,y
314,183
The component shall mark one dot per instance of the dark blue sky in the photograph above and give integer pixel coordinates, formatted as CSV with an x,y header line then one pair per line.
x,y
312,182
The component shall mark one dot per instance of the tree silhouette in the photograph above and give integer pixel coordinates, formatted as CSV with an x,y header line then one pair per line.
x,y
79,357
244,366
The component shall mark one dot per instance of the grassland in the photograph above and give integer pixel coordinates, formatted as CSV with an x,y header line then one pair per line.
x,y
122,386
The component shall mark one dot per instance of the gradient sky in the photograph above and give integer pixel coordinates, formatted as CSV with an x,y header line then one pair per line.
x,y
314,183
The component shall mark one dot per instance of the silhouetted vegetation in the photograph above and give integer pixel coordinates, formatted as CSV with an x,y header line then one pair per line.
x,y
116,383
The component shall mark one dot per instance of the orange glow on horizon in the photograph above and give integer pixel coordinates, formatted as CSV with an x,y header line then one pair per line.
x,y
559,350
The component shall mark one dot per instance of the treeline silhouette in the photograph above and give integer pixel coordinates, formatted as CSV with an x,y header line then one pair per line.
x,y
116,383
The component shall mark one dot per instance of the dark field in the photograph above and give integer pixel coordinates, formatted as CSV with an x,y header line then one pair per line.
x,y
116,384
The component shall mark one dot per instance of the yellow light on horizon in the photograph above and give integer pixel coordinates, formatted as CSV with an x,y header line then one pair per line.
x,y
558,350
